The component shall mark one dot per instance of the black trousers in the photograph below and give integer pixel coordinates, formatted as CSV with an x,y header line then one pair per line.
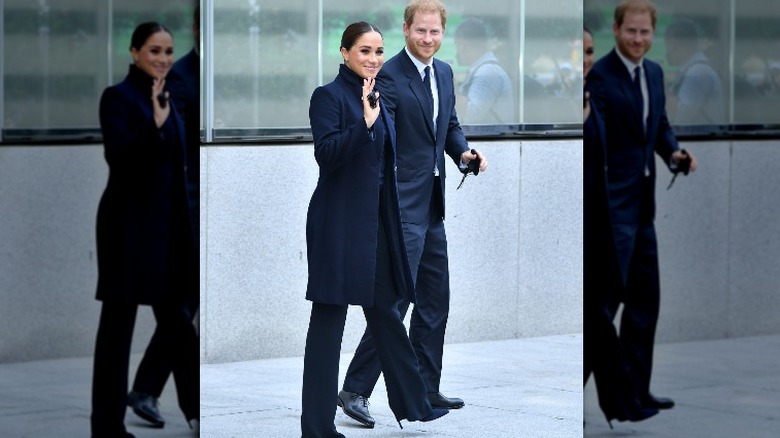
x,y
427,249
640,309
405,388
604,355
178,347
157,363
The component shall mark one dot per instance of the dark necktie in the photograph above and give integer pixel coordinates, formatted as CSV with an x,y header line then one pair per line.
x,y
427,84
638,88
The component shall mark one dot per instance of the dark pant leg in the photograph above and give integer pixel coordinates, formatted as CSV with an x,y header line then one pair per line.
x,y
365,368
405,388
153,370
640,311
321,370
174,348
431,310
111,368
607,358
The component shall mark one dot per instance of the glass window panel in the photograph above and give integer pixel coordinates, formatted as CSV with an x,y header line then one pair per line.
x,y
756,62
265,62
55,62
56,55
269,56
552,58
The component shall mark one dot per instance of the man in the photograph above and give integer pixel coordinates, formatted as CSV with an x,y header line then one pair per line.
x,y
487,88
603,352
697,88
426,127
628,92
153,371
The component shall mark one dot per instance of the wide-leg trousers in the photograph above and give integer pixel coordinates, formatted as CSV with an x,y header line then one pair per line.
x,y
406,390
426,245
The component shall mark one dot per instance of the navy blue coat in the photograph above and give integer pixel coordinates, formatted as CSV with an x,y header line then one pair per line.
x,y
403,92
628,148
342,221
145,196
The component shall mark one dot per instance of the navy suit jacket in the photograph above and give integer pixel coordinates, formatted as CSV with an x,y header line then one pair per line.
x,y
343,215
402,90
184,83
629,147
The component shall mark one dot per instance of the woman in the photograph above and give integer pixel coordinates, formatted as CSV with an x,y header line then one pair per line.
x,y
602,285
143,231
356,252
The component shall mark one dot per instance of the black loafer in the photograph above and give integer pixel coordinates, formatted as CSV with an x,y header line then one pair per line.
x,y
356,408
438,400
653,402
145,406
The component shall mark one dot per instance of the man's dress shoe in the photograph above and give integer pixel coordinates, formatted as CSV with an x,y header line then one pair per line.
x,y
438,400
145,406
356,407
653,402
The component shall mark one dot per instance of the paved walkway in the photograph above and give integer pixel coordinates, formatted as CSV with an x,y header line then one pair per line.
x,y
51,399
515,388
723,389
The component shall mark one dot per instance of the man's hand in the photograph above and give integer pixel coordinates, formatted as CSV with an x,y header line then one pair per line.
x,y
468,156
683,155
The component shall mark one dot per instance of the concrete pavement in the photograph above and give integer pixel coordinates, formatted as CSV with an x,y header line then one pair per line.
x,y
727,388
514,388
51,399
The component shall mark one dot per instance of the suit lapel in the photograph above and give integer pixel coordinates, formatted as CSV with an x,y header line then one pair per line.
x,y
628,90
419,91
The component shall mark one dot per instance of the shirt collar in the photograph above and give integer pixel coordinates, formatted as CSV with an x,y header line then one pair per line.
x,y
419,65
628,63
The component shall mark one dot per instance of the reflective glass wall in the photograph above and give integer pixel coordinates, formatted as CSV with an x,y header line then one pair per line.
x,y
268,56
58,56
721,60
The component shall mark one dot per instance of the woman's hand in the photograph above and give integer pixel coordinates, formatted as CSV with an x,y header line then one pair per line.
x,y
370,114
160,105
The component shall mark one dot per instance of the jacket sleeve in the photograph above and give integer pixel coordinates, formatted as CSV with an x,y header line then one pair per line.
x,y
456,143
337,140
666,142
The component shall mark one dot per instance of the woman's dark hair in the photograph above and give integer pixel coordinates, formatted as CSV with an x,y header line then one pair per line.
x,y
355,31
586,30
143,31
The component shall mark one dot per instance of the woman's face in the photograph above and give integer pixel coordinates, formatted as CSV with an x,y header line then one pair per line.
x,y
366,56
155,57
587,48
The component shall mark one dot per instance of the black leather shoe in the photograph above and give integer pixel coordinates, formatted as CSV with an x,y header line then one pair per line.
x,y
653,402
438,400
356,408
145,406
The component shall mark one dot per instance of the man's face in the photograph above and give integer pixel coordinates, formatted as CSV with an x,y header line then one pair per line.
x,y
635,36
423,37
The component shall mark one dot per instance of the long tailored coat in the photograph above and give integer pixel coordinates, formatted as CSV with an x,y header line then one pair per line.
x,y
343,216
630,147
144,199
419,148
